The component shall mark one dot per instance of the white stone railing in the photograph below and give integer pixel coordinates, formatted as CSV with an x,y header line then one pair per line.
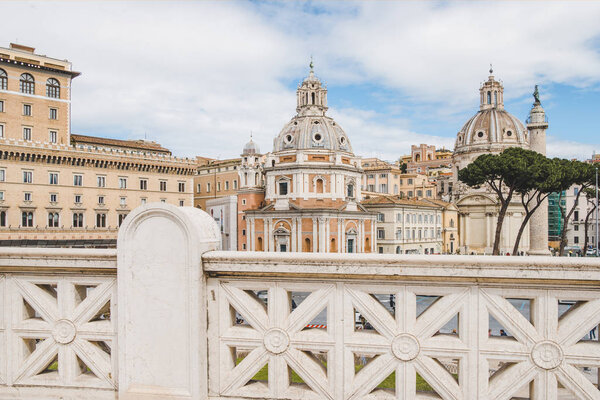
x,y
324,326
57,323
195,323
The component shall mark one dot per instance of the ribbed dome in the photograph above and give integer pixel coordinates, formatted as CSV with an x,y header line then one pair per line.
x,y
251,148
312,132
491,126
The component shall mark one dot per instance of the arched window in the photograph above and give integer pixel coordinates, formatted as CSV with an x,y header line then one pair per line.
x,y
27,219
313,97
3,80
53,220
27,84
259,246
489,97
333,248
256,179
52,88
307,248
398,250
350,191
451,223
417,158
319,185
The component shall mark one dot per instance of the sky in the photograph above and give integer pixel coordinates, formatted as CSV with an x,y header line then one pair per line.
x,y
199,77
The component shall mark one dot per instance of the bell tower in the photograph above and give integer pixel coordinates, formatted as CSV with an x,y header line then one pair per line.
x,y
311,96
491,93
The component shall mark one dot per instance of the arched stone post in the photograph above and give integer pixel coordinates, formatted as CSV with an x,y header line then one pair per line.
x,y
161,302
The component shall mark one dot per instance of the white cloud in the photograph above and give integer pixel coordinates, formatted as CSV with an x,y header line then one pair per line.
x,y
199,76
556,147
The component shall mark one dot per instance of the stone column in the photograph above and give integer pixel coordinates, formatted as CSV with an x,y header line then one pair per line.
x,y
538,224
162,318
315,241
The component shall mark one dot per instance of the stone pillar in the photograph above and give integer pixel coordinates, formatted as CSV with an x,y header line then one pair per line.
x,y
162,320
538,224
315,238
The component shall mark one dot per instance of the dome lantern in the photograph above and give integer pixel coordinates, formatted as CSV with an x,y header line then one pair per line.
x,y
491,93
311,96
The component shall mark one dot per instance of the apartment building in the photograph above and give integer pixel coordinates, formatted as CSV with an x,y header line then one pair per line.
x,y
381,177
63,189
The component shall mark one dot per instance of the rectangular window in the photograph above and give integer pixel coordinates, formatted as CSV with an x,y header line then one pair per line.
x,y
1,131
576,216
163,200
143,200
181,187
26,133
122,183
383,188
27,110
53,136
2,175
53,197
235,184
77,180
576,239
101,220
380,250
143,184
283,188
53,113
208,187
181,203
27,176
101,181
243,232
419,193
53,178
199,188
123,201
101,200
218,186
369,176
399,234
27,196
1,105
428,193
226,185
78,199
370,188
380,217
380,233
163,186
410,181
410,193
576,228
77,220
122,218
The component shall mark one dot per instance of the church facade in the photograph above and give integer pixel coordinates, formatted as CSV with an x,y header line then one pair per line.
x,y
491,130
305,195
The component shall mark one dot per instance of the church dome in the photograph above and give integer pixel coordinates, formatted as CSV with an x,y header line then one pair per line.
x,y
492,128
251,148
311,128
312,132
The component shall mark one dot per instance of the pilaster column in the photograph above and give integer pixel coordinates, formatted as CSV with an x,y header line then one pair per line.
x,y
315,238
293,235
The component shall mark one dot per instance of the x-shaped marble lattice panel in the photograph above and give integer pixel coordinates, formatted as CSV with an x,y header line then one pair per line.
x,y
65,326
276,337
406,344
545,350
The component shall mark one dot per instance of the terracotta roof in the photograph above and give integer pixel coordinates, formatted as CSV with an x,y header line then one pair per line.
x,y
396,200
129,144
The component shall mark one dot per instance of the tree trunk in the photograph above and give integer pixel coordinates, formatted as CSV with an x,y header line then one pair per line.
x,y
566,218
586,227
501,214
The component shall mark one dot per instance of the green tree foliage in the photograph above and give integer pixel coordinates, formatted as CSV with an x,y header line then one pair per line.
x,y
541,177
403,167
580,176
504,173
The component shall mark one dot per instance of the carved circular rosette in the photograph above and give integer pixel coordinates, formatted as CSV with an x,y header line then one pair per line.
x,y
547,354
64,331
405,347
276,341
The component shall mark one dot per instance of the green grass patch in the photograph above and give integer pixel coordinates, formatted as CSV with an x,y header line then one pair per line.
x,y
387,383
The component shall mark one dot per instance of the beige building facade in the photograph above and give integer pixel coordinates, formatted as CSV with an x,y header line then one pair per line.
x,y
383,178
62,189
